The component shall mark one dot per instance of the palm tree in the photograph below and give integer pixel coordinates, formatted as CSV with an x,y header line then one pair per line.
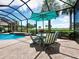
x,y
72,2
50,2
47,7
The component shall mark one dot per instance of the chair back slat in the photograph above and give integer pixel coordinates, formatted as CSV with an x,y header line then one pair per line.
x,y
50,38
47,37
55,36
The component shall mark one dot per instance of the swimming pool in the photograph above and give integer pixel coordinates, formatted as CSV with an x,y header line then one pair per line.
x,y
10,36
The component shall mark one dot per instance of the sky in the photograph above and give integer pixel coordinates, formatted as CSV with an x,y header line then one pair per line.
x,y
62,21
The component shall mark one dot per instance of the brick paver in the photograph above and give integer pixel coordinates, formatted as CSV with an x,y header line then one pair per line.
x,y
23,49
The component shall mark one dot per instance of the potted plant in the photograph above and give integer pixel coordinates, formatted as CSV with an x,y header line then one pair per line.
x,y
41,30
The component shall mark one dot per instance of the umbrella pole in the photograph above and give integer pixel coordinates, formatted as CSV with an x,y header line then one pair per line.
x,y
43,24
49,26
36,28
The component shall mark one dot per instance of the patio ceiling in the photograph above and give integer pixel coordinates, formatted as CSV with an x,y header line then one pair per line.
x,y
20,10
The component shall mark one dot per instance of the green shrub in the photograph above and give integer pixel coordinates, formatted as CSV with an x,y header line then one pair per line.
x,y
1,28
33,32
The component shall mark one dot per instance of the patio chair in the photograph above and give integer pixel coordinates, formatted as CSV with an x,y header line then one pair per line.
x,y
49,39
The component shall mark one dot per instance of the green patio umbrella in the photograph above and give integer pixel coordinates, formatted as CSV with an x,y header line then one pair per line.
x,y
43,16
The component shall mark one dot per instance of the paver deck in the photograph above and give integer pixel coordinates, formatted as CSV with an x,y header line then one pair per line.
x,y
22,49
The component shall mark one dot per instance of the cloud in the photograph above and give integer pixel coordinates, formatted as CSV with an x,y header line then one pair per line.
x,y
5,2
61,19
35,5
61,22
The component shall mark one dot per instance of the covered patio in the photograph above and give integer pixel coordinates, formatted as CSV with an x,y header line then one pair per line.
x,y
17,17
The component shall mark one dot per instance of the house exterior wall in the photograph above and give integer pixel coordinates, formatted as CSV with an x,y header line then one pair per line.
x,y
3,23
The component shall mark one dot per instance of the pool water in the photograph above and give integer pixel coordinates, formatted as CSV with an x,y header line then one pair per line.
x,y
10,36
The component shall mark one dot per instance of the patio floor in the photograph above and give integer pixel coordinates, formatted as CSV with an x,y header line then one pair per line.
x,y
22,49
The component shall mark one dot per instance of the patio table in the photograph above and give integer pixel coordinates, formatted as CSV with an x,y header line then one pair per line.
x,y
41,37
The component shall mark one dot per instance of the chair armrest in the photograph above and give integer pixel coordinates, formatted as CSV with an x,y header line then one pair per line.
x,y
42,36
